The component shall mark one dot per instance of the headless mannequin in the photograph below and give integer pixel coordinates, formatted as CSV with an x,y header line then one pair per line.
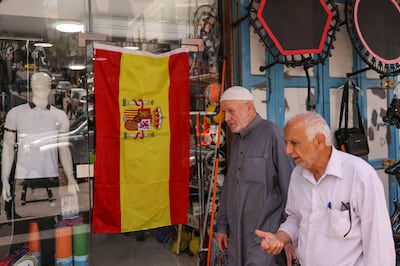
x,y
41,86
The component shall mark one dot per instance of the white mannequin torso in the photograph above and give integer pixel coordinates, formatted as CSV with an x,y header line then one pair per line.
x,y
41,84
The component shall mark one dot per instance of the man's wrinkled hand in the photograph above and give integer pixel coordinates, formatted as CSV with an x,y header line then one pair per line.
x,y
222,241
270,243
290,253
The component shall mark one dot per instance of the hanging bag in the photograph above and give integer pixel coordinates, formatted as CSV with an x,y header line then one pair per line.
x,y
351,140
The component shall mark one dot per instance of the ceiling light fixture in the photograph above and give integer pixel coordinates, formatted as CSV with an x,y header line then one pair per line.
x,y
43,44
70,27
77,67
132,47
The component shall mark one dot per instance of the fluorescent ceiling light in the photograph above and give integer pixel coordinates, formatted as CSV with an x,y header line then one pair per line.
x,y
132,47
43,44
70,27
77,67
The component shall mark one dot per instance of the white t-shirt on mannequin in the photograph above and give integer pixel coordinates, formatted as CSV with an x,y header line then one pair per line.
x,y
41,131
37,132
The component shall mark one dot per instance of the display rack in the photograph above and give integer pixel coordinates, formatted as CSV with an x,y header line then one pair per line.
x,y
205,152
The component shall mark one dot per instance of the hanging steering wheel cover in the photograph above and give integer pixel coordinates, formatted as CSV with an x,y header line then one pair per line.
x,y
374,31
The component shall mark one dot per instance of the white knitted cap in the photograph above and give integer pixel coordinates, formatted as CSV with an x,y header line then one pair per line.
x,y
237,93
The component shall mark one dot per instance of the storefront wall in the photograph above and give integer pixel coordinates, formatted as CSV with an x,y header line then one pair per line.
x,y
153,26
47,215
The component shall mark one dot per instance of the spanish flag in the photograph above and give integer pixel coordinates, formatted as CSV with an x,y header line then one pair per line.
x,y
141,178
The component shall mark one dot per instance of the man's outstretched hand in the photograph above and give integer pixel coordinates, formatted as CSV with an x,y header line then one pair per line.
x,y
270,243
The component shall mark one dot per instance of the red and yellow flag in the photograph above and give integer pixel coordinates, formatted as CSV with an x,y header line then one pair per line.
x,y
142,107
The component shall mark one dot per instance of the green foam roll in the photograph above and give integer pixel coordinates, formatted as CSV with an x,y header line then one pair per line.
x,y
80,239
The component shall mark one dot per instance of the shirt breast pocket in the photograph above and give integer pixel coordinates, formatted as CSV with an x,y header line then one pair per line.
x,y
338,224
255,170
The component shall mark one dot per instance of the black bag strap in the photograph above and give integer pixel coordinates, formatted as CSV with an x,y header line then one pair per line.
x,y
344,106
355,102
11,178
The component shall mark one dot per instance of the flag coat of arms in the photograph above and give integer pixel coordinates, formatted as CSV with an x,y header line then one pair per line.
x,y
141,178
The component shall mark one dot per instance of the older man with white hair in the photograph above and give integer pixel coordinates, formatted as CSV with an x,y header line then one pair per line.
x,y
254,193
337,213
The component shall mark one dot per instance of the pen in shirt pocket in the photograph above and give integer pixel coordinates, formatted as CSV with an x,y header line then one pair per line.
x,y
330,205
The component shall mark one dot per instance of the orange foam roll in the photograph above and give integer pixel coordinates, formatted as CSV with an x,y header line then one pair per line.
x,y
34,244
63,242
34,237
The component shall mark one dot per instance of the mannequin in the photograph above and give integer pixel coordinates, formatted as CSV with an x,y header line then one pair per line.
x,y
32,123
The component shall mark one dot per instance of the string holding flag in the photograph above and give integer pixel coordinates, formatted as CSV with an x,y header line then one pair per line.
x,y
141,178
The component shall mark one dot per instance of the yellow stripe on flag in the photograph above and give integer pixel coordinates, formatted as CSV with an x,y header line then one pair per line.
x,y
145,175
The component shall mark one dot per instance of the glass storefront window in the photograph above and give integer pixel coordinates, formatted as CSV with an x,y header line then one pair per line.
x,y
47,97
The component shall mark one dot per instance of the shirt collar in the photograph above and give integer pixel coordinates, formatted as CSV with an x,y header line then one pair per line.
x,y
334,164
32,106
333,167
253,124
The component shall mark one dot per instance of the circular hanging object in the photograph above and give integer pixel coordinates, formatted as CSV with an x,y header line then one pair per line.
x,y
211,136
213,116
204,17
374,31
206,27
212,93
296,33
209,160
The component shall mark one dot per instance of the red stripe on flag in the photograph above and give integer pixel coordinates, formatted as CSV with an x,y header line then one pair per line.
x,y
107,207
179,108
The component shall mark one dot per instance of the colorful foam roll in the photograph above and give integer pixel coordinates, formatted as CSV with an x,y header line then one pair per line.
x,y
34,240
80,244
64,246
